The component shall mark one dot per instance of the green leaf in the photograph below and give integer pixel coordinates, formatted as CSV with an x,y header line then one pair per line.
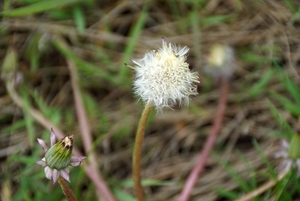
x,y
37,7
29,122
252,180
13,127
280,190
122,195
227,194
286,128
257,88
135,32
287,104
271,170
26,160
217,19
234,175
145,182
79,19
291,86
82,65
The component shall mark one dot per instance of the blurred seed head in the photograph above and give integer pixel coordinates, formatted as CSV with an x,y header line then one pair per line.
x,y
220,62
163,77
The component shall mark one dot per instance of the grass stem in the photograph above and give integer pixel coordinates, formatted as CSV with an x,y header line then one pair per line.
x,y
137,152
85,129
196,171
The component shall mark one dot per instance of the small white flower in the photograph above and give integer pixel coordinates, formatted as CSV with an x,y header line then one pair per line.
x,y
287,162
163,77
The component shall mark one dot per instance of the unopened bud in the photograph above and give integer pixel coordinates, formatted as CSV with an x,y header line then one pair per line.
x,y
59,155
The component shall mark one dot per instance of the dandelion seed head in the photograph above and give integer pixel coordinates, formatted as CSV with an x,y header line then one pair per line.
x,y
221,61
163,77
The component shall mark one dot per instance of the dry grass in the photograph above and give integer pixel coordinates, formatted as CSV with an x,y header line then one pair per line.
x,y
174,139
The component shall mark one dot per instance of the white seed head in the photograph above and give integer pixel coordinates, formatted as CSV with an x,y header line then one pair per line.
x,y
163,77
221,61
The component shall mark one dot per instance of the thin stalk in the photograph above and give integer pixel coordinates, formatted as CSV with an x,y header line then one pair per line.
x,y
195,173
262,188
81,114
85,129
66,189
137,152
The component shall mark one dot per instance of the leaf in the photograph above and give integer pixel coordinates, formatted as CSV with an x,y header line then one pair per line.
x,y
217,19
145,182
37,7
79,19
257,88
135,32
122,195
285,127
287,104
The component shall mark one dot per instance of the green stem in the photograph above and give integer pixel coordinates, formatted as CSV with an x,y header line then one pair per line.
x,y
66,189
137,152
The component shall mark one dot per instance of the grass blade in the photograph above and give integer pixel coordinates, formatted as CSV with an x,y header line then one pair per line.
x,y
134,34
37,7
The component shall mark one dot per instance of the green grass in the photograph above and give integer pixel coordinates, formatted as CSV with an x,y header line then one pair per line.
x,y
42,54
37,7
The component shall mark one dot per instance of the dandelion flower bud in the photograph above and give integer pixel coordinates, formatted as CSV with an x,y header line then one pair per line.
x,y
163,77
58,157
220,62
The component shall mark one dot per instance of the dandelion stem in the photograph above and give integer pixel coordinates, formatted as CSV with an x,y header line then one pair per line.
x,y
66,189
195,173
137,152
263,188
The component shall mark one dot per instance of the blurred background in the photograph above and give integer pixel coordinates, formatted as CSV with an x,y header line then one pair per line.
x,y
40,39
